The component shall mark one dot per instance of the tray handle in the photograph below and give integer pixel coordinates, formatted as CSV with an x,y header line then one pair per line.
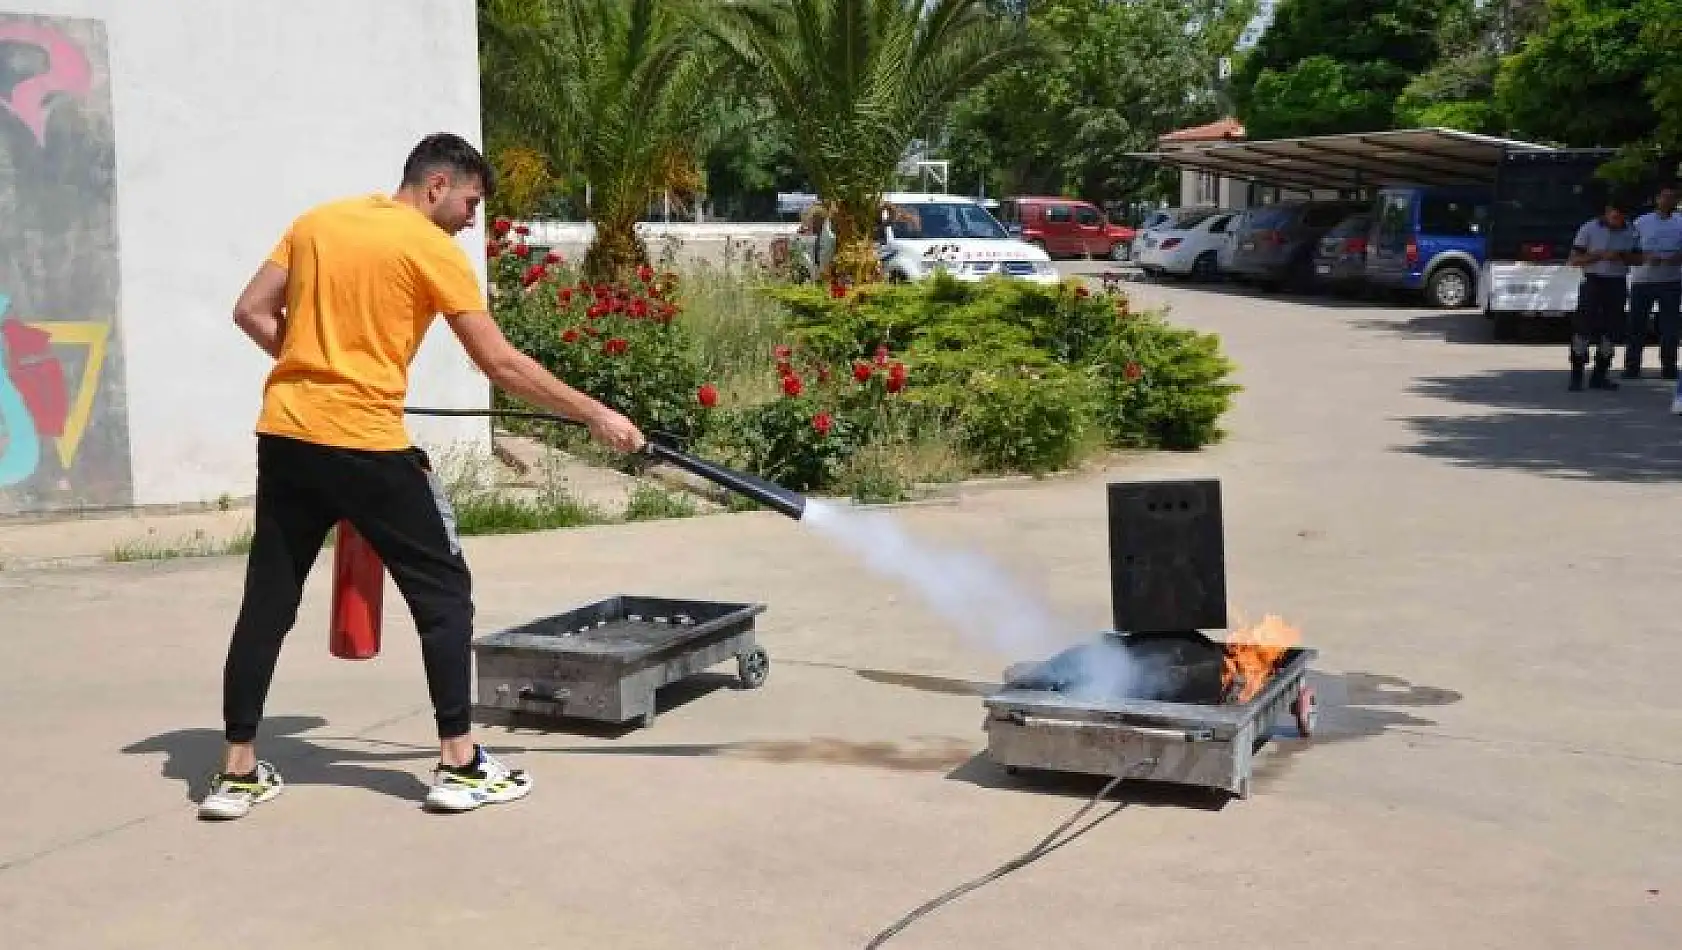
x,y
544,695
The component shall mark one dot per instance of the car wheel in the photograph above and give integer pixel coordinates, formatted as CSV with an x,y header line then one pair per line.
x,y
1203,269
1121,251
1450,287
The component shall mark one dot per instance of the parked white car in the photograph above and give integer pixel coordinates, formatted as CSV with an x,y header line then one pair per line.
x,y
1196,245
925,233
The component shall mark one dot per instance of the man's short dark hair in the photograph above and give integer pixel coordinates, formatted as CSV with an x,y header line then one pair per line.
x,y
450,153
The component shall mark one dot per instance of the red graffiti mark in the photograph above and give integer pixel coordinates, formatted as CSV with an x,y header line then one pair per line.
x,y
67,73
38,375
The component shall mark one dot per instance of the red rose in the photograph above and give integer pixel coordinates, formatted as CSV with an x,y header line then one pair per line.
x,y
522,251
822,422
596,311
1133,370
837,291
554,257
570,336
639,309
862,372
501,226
615,347
534,273
882,355
792,386
493,248
707,395
645,273
522,231
896,377
564,296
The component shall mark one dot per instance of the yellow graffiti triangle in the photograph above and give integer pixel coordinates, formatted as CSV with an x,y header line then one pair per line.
x,y
93,336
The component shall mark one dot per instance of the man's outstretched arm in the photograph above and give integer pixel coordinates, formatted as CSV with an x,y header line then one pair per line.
x,y
261,309
515,372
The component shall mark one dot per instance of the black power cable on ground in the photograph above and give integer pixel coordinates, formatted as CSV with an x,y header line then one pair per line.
x,y
1046,845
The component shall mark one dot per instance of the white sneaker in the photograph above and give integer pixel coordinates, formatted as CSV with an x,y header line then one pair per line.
x,y
485,782
233,796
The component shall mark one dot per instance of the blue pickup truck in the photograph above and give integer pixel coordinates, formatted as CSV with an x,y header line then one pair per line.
x,y
1430,240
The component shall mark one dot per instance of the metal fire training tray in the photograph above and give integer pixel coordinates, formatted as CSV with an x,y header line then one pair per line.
x,y
1203,744
604,661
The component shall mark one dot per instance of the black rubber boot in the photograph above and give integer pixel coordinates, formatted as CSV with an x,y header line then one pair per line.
x,y
1576,376
1600,379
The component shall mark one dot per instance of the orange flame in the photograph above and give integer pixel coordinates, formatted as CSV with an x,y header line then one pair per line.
x,y
1252,652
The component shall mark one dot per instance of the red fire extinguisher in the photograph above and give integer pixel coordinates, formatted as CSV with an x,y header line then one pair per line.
x,y
358,596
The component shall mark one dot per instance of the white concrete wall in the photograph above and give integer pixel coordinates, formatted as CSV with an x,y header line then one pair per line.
x,y
232,116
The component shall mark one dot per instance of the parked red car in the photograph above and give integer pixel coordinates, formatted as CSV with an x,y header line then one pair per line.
x,y
1066,227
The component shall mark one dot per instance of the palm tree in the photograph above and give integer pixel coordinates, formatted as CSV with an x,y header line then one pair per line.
x,y
617,92
854,81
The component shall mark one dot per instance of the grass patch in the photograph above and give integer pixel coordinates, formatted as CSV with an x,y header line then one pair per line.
x,y
199,543
650,503
502,512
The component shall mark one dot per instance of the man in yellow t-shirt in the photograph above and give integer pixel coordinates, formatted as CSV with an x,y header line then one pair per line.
x,y
342,304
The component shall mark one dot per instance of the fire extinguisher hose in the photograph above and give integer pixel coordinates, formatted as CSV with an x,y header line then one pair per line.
x,y
663,447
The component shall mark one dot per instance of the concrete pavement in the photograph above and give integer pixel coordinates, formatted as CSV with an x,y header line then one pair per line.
x,y
1483,560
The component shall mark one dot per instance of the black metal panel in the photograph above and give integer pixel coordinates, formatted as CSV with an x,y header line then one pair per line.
x,y
1167,556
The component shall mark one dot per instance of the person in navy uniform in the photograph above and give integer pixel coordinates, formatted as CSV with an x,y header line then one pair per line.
x,y
1604,248
1656,283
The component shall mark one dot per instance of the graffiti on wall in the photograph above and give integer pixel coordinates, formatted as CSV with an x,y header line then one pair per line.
x,y
63,415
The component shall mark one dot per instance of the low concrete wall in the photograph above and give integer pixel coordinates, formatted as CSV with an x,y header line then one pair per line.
x,y
711,242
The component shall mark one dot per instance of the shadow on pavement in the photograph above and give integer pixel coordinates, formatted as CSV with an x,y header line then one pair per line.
x,y
1323,299
1537,426
191,756
1468,327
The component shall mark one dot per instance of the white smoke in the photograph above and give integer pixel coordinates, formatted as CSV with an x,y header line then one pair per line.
x,y
976,597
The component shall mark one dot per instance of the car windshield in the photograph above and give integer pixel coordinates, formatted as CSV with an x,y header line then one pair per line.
x,y
929,221
1189,220
1262,219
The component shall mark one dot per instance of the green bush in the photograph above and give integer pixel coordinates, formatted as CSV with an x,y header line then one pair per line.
x,y
1027,372
1163,387
624,345
1027,423
806,438
873,390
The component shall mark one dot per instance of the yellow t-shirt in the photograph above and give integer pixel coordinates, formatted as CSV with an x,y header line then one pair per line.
x,y
366,278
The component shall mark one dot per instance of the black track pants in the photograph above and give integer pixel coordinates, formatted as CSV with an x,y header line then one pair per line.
x,y
303,490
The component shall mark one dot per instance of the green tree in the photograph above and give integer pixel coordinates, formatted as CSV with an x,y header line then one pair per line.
x,y
1601,73
853,82
1330,66
1458,92
518,122
1108,78
616,92
744,172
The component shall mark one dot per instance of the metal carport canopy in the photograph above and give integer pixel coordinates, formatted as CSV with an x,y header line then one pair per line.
x,y
1429,156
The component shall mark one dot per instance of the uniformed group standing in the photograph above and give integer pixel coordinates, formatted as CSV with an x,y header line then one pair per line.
x,y
1636,263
